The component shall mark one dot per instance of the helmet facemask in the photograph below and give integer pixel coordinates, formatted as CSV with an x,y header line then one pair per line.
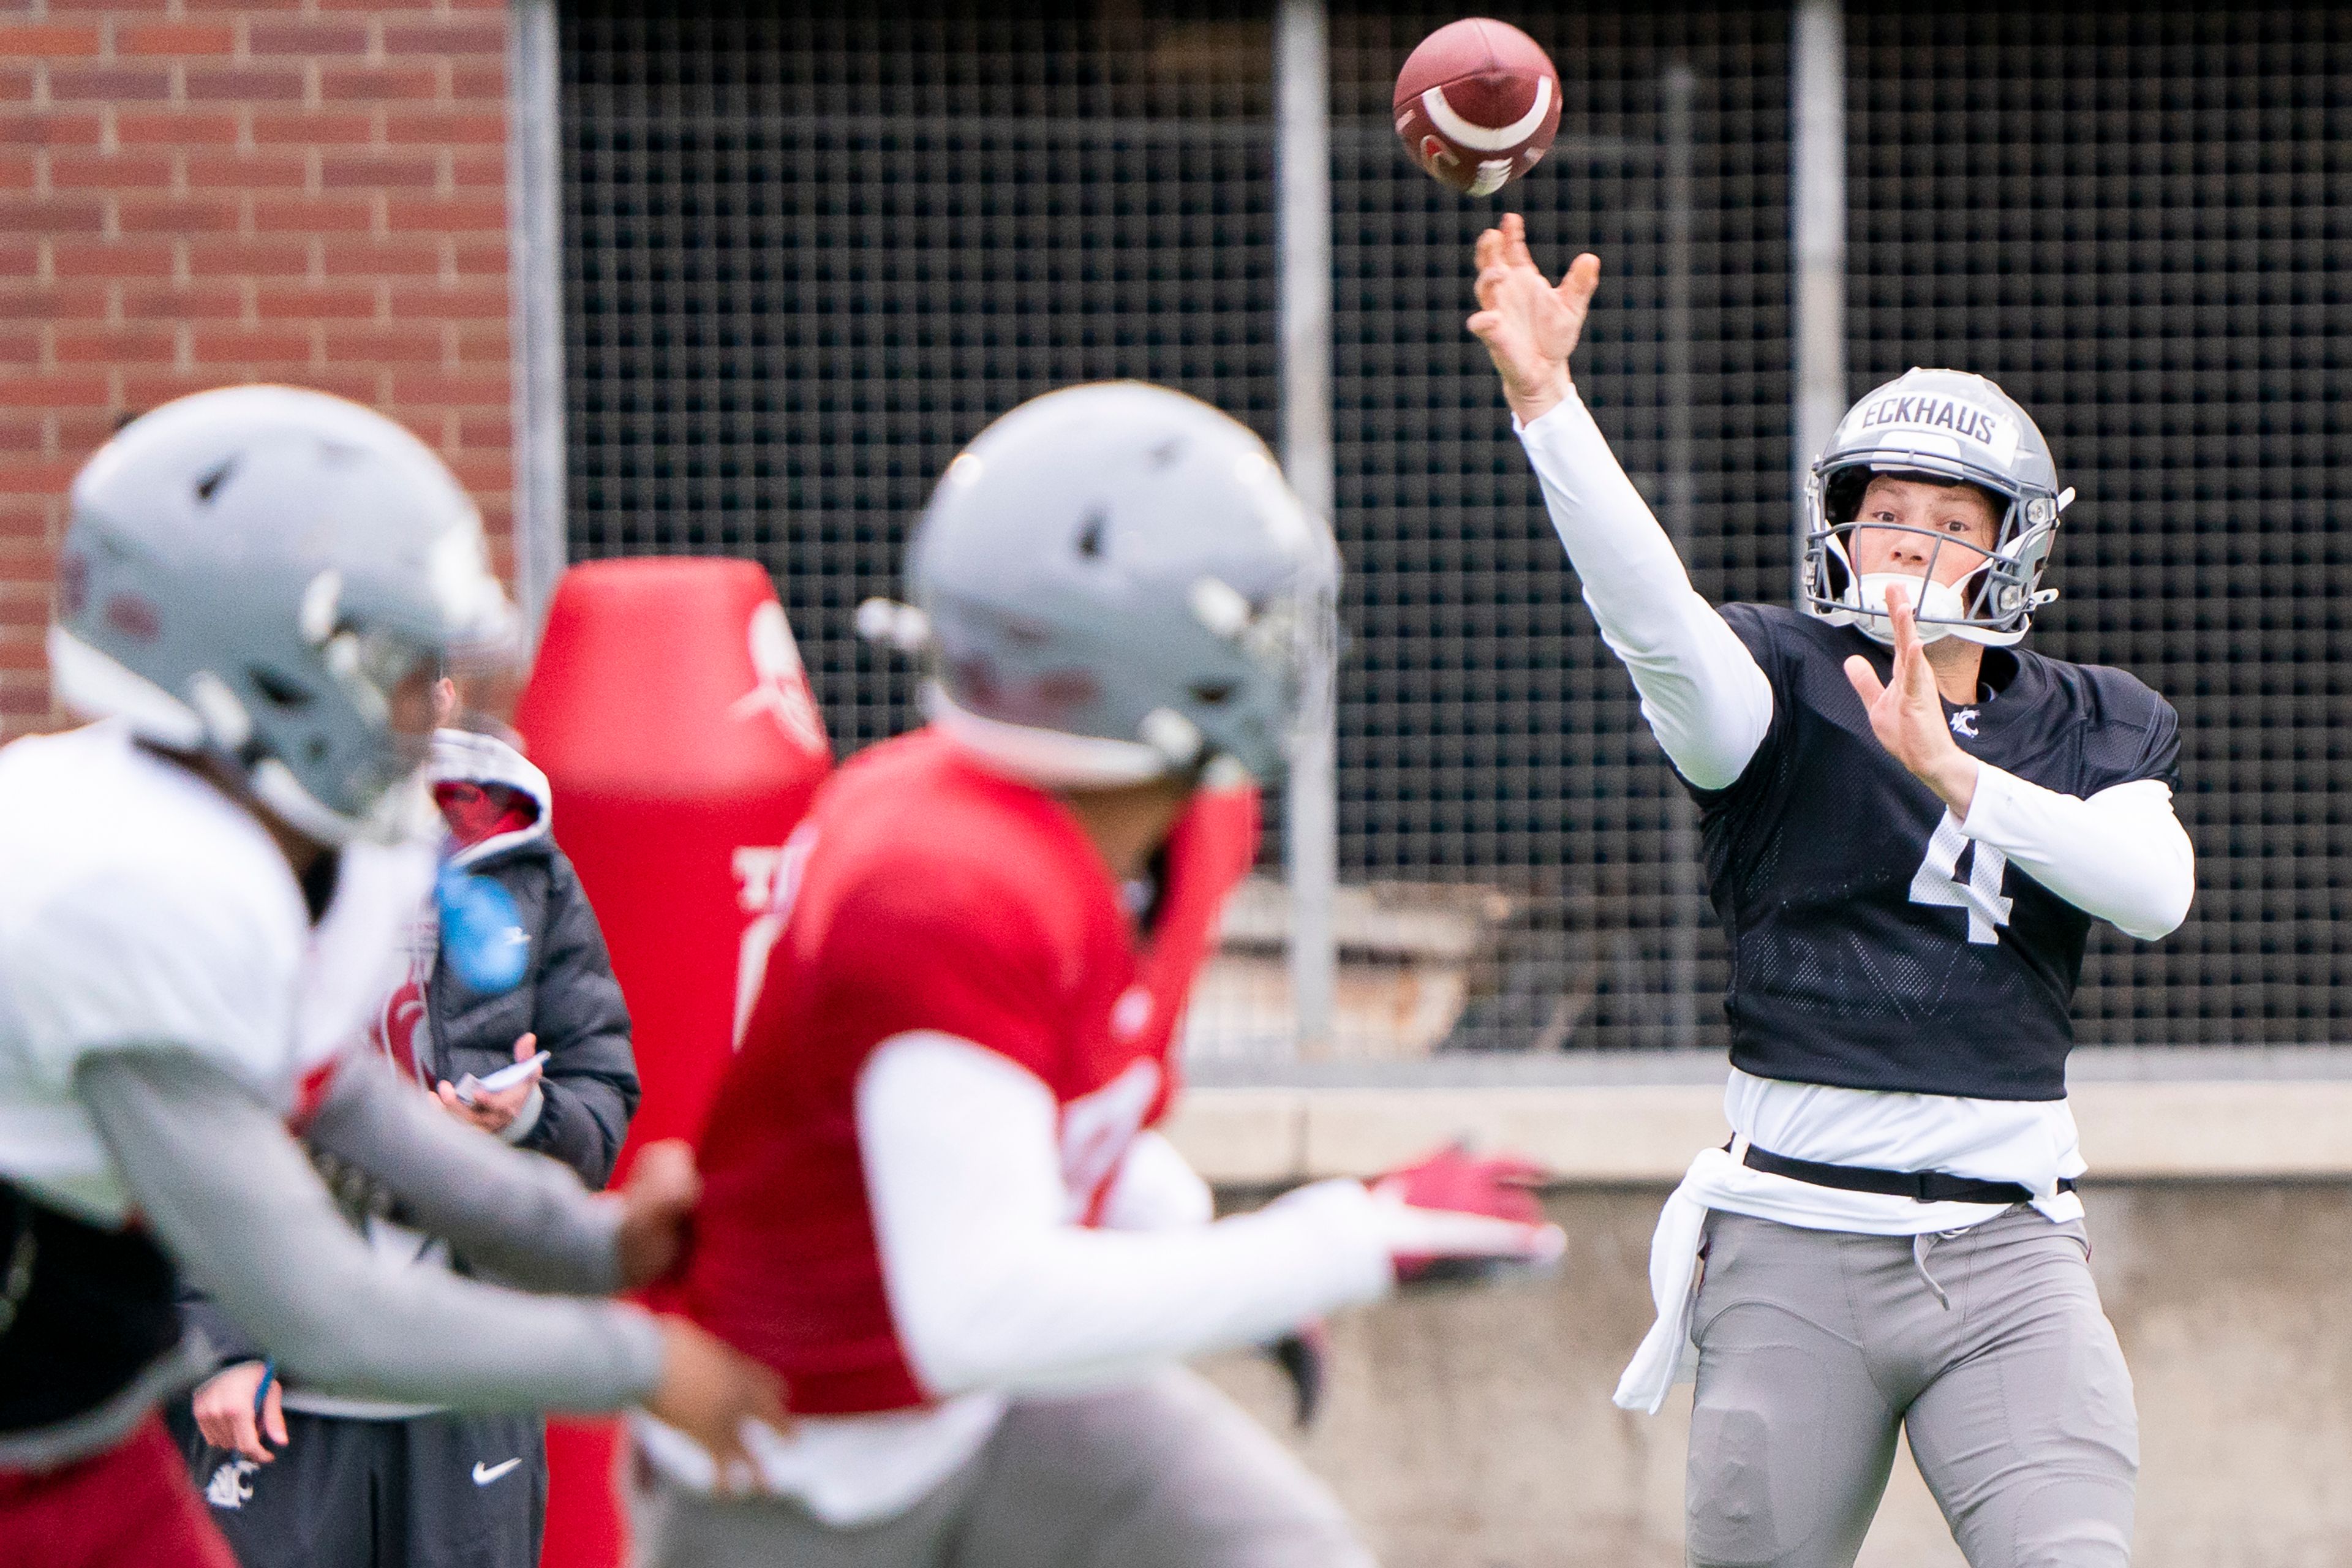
x,y
1991,603
1290,644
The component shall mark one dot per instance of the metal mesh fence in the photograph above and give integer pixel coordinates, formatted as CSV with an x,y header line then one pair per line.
x,y
2136,223
1486,736
810,254
812,251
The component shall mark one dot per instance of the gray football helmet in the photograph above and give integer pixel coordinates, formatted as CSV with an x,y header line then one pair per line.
x,y
1947,427
1113,582
250,572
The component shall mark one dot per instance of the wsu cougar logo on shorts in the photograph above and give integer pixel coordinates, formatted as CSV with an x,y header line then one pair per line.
x,y
228,1487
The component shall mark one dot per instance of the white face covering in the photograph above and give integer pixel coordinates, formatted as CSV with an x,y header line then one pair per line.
x,y
1932,602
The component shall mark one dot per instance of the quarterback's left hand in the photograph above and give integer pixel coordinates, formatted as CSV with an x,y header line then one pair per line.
x,y
1908,716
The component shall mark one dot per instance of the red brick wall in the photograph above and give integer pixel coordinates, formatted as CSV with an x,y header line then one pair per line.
x,y
194,193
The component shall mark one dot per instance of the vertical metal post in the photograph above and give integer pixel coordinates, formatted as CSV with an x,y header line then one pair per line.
x,y
1680,871
1303,236
535,291
1817,207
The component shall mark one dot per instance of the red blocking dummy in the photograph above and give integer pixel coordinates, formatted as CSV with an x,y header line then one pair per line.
x,y
670,711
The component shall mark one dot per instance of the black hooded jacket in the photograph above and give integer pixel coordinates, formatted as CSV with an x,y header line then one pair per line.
x,y
568,997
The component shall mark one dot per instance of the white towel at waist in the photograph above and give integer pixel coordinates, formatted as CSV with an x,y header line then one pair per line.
x,y
1718,1180
849,1471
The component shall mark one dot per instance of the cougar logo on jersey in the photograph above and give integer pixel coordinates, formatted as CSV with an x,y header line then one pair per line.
x,y
1096,1128
1131,1013
780,682
1964,722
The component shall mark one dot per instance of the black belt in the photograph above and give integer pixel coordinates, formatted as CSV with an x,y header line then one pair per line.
x,y
1925,1187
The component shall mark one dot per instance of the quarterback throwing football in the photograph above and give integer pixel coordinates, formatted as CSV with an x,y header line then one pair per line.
x,y
934,1201
1909,823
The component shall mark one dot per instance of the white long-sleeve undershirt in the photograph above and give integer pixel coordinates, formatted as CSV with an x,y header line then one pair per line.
x,y
2121,855
1702,693
995,1292
1156,1189
991,1287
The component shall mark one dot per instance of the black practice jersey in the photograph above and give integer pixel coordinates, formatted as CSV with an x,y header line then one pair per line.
x,y
1873,945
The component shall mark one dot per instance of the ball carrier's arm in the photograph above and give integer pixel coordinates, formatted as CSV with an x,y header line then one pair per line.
x,y
1705,698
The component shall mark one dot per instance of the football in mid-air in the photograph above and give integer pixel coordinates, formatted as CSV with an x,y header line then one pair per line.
x,y
1477,104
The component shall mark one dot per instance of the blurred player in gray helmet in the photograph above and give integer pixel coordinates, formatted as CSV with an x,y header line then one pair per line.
x,y
1909,824
935,1199
203,895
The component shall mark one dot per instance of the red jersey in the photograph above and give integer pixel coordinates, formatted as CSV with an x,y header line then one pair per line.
x,y
925,892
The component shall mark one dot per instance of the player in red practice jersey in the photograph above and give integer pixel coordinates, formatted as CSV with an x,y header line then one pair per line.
x,y
933,1198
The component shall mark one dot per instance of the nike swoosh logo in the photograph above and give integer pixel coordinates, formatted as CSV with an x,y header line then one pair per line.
x,y
485,1474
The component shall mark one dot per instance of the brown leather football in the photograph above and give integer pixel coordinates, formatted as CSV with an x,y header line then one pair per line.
x,y
1477,104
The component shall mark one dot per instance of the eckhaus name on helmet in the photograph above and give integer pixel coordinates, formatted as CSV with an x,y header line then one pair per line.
x,y
1967,421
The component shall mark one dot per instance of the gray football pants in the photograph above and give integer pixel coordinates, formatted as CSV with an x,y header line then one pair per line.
x,y
1165,1474
1815,1345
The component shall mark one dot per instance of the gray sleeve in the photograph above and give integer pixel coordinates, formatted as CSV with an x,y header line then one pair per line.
x,y
520,1218
229,1194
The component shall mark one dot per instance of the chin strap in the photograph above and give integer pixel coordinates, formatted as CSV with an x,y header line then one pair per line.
x,y
1053,760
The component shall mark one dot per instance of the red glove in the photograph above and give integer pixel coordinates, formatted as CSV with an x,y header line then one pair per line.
x,y
1455,1181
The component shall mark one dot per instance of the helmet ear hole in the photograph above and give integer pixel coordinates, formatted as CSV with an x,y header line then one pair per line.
x,y
1212,693
210,484
1090,535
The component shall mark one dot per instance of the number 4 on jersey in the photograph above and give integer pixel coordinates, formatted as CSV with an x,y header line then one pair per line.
x,y
1937,880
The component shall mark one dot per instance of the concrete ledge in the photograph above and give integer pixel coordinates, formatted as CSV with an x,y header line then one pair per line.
x,y
1610,1133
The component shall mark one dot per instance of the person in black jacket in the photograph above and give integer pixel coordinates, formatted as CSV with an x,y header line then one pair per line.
x,y
300,1477
569,1004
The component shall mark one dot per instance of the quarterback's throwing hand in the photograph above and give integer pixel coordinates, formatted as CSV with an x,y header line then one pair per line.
x,y
1908,716
1530,326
